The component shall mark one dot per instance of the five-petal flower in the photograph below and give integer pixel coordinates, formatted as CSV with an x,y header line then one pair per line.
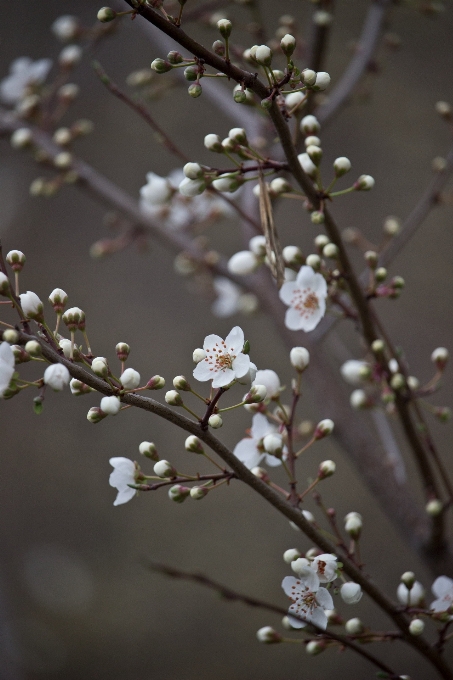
x,y
309,600
306,299
443,590
225,361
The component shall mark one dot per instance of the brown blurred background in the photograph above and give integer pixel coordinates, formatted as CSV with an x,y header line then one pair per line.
x,y
75,598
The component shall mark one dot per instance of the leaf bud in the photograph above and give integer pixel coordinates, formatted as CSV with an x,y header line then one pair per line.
x,y
215,421
323,429
268,635
326,469
173,398
178,493
156,383
164,469
106,14
225,26
198,492
161,66
99,366
95,415
300,358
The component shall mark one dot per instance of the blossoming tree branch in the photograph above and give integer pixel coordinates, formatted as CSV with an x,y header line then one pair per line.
x,y
271,91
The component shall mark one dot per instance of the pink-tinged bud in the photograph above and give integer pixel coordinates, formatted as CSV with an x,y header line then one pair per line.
x,y
95,415
326,469
16,259
256,395
78,388
314,647
323,429
261,473
268,635
74,318
178,493
122,351
20,355
198,492
364,183
156,383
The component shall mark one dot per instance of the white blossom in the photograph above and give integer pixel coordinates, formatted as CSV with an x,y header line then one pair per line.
x,y
270,380
412,597
306,298
228,295
309,600
130,379
56,376
24,73
250,450
7,364
443,590
156,191
325,567
224,360
124,473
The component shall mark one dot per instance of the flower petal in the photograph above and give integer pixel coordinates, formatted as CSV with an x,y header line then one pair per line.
x,y
211,341
223,378
235,340
203,371
241,365
124,496
286,292
442,586
294,320
288,583
324,598
261,426
248,453
319,618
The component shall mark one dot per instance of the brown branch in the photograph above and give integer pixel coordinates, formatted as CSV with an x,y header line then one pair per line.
x,y
141,110
265,491
234,596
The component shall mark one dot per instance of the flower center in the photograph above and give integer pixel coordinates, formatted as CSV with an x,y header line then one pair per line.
x,y
305,301
218,357
304,600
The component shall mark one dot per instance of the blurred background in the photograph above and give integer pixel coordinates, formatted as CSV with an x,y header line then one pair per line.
x,y
76,599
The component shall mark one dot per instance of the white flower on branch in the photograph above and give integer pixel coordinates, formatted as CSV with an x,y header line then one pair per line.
x,y
443,590
56,376
124,473
225,361
250,450
7,363
306,298
24,73
411,596
325,567
309,600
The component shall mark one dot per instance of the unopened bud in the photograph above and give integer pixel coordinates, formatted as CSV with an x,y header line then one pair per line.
x,y
198,355
323,428
178,493
164,469
380,274
161,66
434,507
300,358
377,346
309,78
10,336
314,261
33,348
353,524
193,445
256,394
288,44
309,125
354,627
106,14
180,383
364,183
416,627
99,366
195,90
261,473
198,492
95,415
215,421
78,388
440,357
4,284
398,381
122,351
21,138
156,383
173,398
314,647
273,444
326,469
268,635
58,299
392,225
74,318
371,258
408,578
341,166
330,250
149,450
291,555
